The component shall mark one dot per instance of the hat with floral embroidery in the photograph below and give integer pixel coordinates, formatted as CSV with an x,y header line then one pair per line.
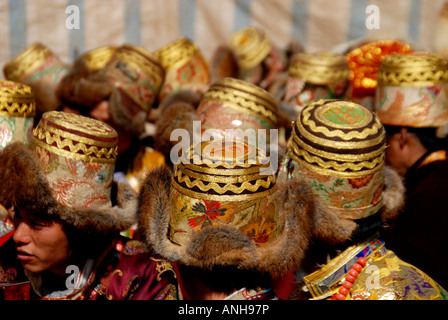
x,y
222,206
69,170
338,147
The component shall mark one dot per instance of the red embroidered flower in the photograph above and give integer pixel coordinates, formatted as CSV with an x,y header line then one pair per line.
x,y
209,212
360,182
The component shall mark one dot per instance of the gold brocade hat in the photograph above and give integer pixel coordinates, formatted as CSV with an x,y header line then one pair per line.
x,y
251,46
320,68
17,110
69,170
98,58
237,104
339,148
413,90
186,69
221,207
364,63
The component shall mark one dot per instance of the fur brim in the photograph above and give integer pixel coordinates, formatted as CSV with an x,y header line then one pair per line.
x,y
394,194
223,245
24,185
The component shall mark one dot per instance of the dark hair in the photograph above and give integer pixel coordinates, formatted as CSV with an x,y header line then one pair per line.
x,y
427,136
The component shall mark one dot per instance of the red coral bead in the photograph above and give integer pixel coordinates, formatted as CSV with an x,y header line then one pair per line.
x,y
357,267
343,290
353,273
347,284
362,261
350,278
339,296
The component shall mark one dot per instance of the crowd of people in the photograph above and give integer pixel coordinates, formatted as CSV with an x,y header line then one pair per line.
x,y
341,198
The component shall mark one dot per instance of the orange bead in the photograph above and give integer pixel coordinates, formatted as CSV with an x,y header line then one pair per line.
x,y
339,296
347,284
343,290
357,267
362,261
353,273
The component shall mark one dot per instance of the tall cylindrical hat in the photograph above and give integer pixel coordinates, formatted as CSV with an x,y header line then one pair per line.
x,y
314,76
239,105
413,90
185,67
17,110
339,148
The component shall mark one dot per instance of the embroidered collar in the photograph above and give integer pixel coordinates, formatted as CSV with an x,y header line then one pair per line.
x,y
439,155
323,282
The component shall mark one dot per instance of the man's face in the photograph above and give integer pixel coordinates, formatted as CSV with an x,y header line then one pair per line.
x,y
41,245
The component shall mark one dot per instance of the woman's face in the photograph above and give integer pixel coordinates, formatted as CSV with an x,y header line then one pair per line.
x,y
41,245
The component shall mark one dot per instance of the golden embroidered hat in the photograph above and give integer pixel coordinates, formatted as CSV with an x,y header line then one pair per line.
x,y
237,104
413,90
220,207
338,146
17,110
98,58
69,170
185,67
251,46
320,68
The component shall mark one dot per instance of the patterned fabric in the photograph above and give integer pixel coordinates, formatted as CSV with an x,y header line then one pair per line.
x,y
127,272
385,277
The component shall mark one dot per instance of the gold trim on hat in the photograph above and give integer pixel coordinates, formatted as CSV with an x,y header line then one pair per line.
x,y
251,46
76,145
416,69
139,58
27,61
177,52
244,97
97,59
320,68
16,100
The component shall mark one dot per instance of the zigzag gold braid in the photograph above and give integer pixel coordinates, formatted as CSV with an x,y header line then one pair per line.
x,y
231,177
245,186
324,167
101,155
214,197
424,78
336,156
338,133
212,165
23,110
340,144
241,104
151,69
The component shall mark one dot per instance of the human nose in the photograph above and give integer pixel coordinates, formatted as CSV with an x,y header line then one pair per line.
x,y
22,234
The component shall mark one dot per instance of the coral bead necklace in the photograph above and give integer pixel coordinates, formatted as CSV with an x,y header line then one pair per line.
x,y
350,279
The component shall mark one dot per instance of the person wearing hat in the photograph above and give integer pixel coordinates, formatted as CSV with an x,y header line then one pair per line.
x,y
338,148
68,213
225,223
40,68
17,110
412,103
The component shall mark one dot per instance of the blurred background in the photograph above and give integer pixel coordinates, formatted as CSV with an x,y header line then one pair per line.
x,y
317,24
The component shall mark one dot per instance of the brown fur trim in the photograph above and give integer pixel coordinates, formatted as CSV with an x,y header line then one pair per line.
x,y
185,96
179,115
223,245
394,194
25,185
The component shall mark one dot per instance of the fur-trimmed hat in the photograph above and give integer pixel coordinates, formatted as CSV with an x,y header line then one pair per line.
x,y
41,69
222,209
338,147
186,68
68,171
